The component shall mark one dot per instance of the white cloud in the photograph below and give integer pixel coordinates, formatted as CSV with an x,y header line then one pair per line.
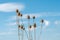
x,y
6,33
12,29
11,24
46,14
9,7
57,22
47,23
14,23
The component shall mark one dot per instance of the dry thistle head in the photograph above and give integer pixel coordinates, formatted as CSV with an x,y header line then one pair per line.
x,y
33,17
30,26
28,17
19,26
42,20
17,10
19,14
23,28
34,25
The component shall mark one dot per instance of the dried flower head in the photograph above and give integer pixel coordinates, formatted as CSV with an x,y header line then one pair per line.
x,y
42,20
28,17
34,25
33,17
17,10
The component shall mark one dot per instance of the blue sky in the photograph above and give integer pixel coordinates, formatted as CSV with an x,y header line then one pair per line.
x,y
49,10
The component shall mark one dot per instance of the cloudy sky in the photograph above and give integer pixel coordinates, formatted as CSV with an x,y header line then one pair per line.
x,y
49,10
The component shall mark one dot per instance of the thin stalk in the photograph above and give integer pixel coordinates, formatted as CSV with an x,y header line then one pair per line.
x,y
40,32
29,29
34,34
28,26
26,34
34,29
22,29
18,26
22,34
18,34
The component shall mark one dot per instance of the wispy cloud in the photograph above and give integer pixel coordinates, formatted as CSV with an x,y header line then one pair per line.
x,y
24,16
31,15
50,14
9,7
12,18
47,23
14,23
6,33
57,22
37,15
10,31
11,24
41,14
